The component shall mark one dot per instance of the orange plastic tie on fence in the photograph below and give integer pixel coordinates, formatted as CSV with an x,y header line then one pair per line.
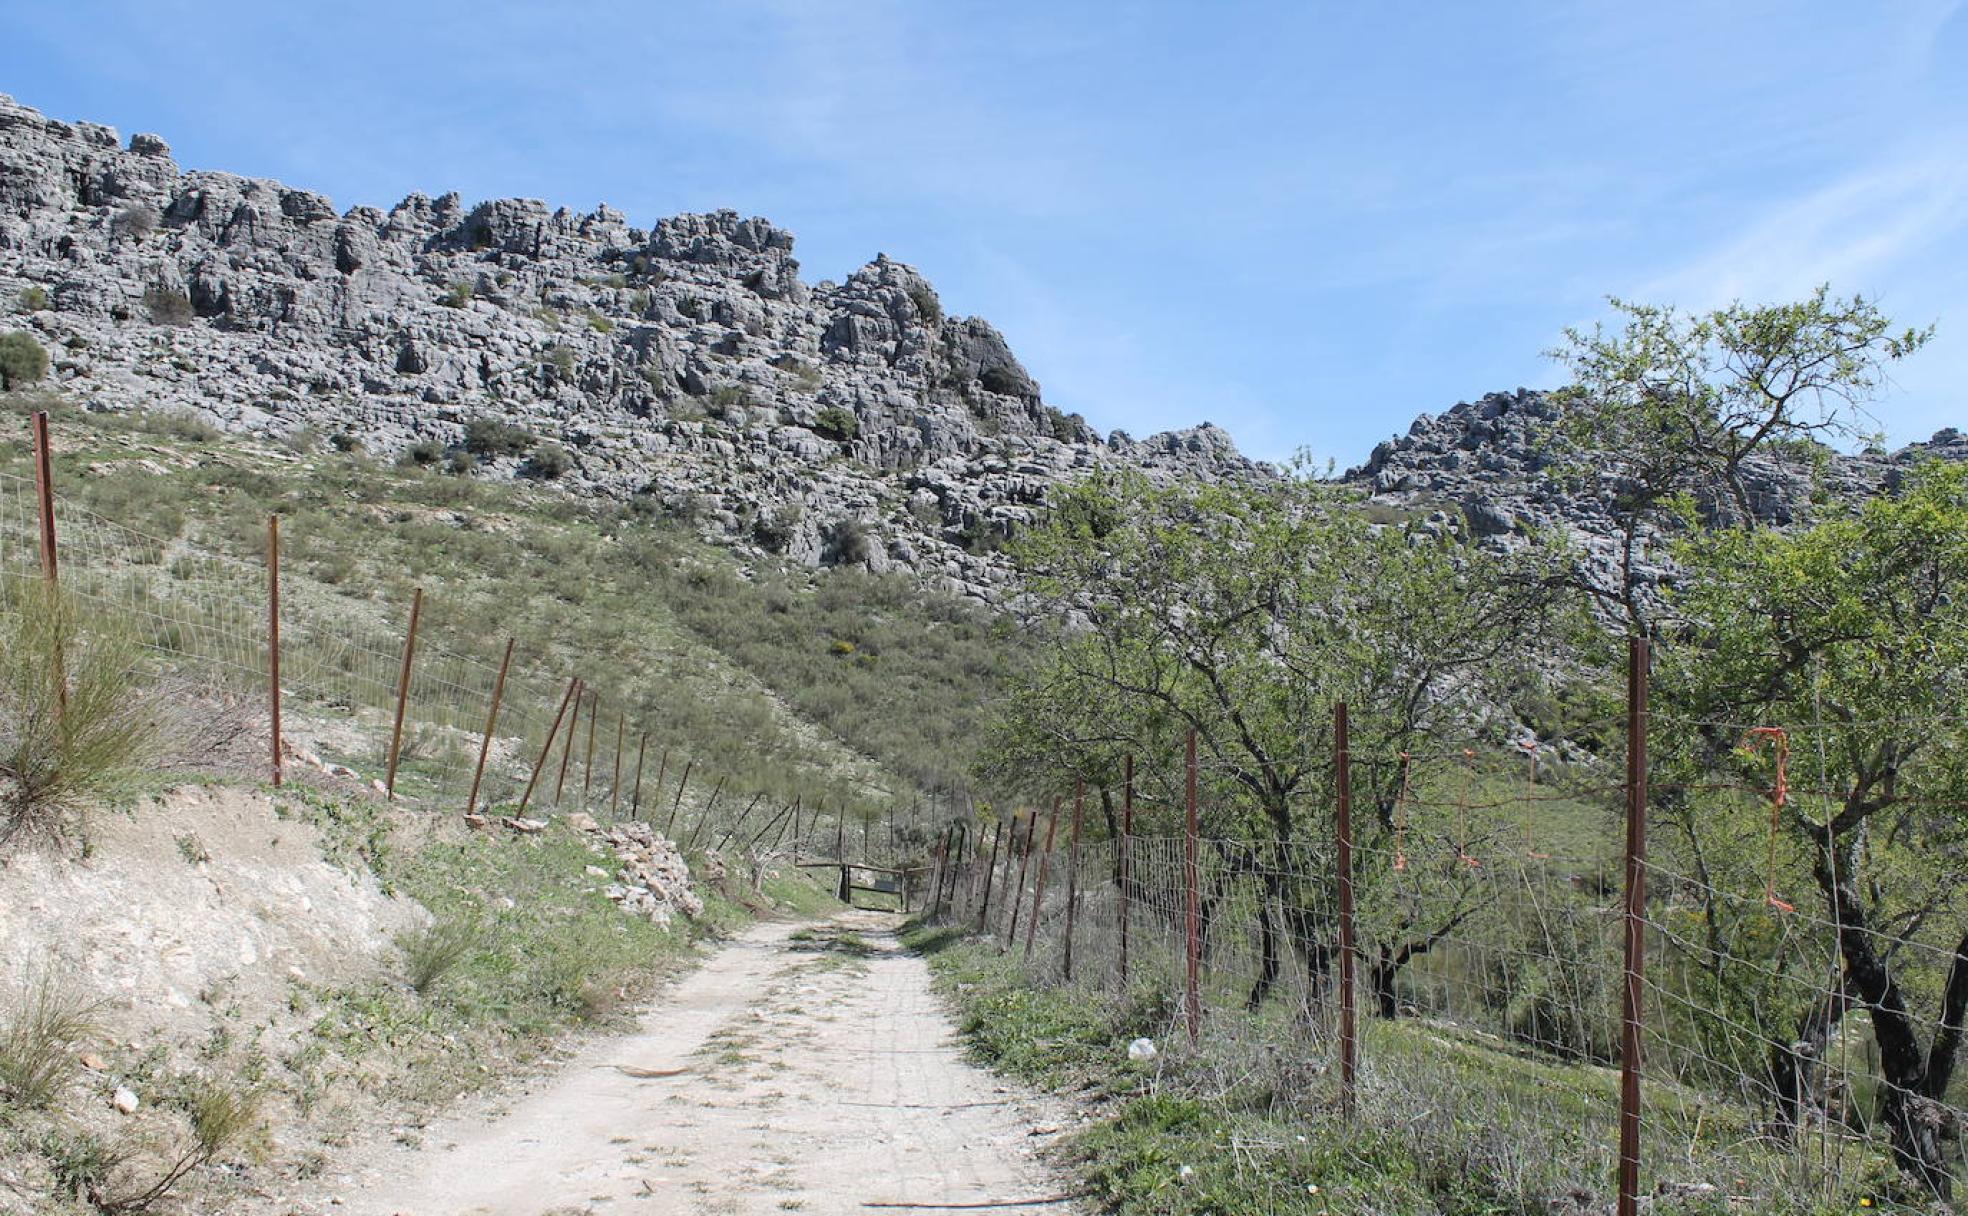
x,y
1779,795
1401,820
1530,747
1462,812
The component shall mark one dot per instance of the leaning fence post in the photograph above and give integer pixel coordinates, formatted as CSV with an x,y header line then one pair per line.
x,y
587,761
1122,863
1349,1044
669,829
44,492
546,750
704,818
403,691
642,749
840,855
1073,873
615,774
273,637
491,724
990,875
1015,897
1192,880
1038,888
936,875
567,749
1636,924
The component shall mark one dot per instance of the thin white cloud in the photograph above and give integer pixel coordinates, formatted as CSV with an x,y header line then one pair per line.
x,y
1848,233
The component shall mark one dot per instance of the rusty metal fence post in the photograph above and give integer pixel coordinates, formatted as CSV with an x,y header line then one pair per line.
x,y
546,749
615,773
1038,891
44,493
1015,897
403,691
567,749
1192,879
491,725
635,801
587,759
1073,873
273,642
1349,1043
990,876
1121,865
1636,925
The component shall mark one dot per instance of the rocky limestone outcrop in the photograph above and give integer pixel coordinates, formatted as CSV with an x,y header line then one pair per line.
x,y
1489,465
686,364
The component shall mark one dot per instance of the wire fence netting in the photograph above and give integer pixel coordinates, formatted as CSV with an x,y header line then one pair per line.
x,y
1801,1000
203,623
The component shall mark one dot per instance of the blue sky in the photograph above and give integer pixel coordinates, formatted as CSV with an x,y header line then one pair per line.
x,y
1304,222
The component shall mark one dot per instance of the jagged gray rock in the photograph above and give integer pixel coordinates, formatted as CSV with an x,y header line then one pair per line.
x,y
1488,465
687,363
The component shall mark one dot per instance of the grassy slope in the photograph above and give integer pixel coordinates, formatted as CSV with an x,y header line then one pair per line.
x,y
1449,1122
840,684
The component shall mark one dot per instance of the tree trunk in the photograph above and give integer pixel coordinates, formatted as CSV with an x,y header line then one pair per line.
x,y
1913,1119
1268,962
1384,971
1795,1067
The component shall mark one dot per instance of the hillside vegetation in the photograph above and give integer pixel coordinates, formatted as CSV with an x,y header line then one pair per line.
x,y
842,686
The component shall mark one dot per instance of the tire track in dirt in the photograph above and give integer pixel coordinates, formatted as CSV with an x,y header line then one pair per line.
x,y
775,1078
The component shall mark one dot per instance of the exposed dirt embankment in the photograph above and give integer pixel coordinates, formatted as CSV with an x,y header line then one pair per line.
x,y
197,897
221,990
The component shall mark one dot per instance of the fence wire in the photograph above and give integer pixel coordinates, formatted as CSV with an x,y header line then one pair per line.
x,y
1490,962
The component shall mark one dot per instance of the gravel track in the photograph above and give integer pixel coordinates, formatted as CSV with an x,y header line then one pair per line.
x,y
775,1078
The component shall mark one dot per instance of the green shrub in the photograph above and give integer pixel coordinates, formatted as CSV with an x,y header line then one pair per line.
x,y
345,441
430,952
167,305
461,464
774,530
38,1039
22,361
136,222
423,453
489,437
548,462
849,543
457,295
74,727
32,299
837,423
926,304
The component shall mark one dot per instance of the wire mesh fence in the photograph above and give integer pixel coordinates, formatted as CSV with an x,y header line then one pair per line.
x,y
1788,1022
477,731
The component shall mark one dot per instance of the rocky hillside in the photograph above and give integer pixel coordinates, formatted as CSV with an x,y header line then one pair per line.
x,y
1487,461
687,364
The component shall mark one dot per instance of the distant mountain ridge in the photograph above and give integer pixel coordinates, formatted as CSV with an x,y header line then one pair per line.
x,y
1485,461
687,364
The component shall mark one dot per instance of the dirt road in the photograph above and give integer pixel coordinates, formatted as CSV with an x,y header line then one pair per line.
x,y
779,1077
